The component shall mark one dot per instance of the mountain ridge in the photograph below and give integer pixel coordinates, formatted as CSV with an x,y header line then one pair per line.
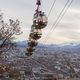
x,y
73,44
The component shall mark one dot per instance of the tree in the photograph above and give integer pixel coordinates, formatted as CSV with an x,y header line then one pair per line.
x,y
7,34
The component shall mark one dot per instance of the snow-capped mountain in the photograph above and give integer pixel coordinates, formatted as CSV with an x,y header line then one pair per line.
x,y
69,48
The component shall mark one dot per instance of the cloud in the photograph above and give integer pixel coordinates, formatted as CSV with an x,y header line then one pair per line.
x,y
67,30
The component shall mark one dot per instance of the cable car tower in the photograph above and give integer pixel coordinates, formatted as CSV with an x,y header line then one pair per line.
x,y
39,22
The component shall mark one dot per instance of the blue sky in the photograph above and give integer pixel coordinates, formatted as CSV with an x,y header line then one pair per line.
x,y
68,30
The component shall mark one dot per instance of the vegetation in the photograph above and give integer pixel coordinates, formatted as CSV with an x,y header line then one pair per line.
x,y
7,36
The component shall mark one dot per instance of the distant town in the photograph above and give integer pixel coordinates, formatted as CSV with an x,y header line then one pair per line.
x,y
53,62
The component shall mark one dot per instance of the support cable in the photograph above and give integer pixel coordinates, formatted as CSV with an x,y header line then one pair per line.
x,y
51,8
59,19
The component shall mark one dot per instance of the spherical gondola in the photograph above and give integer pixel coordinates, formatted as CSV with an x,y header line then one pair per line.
x,y
35,35
40,20
32,43
30,49
29,54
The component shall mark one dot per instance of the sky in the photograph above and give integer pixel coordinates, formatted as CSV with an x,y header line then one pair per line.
x,y
68,29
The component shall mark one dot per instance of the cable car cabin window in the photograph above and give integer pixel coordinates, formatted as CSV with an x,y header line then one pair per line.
x,y
40,19
35,15
32,28
32,43
30,49
35,36
30,39
38,31
29,53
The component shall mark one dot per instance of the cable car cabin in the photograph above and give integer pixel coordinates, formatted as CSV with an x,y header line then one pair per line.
x,y
30,39
40,20
32,43
34,30
30,49
29,54
35,36
35,33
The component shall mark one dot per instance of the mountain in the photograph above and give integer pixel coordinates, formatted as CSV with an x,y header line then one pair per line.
x,y
41,45
53,48
22,44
